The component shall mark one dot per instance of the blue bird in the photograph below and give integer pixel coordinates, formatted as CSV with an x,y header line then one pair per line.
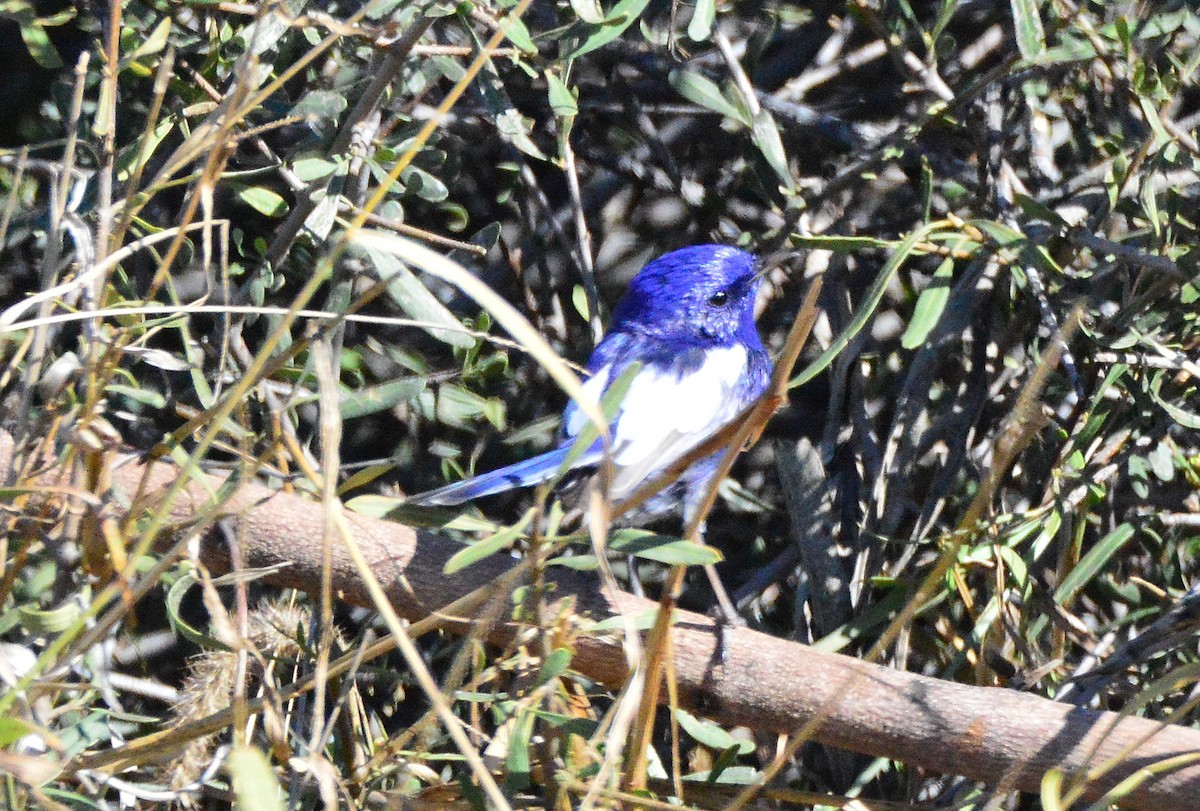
x,y
688,318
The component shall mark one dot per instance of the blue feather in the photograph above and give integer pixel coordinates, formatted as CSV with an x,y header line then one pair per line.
x,y
687,321
521,474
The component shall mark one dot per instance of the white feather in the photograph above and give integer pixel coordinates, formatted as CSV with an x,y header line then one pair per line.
x,y
575,419
663,416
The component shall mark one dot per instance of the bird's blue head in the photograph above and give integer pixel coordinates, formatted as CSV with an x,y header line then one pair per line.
x,y
697,296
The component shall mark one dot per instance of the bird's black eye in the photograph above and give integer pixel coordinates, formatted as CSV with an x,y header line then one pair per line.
x,y
719,299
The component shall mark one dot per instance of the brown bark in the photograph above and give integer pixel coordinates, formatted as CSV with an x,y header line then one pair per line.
x,y
996,736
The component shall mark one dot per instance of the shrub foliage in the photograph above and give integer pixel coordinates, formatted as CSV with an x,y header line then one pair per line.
x,y
987,471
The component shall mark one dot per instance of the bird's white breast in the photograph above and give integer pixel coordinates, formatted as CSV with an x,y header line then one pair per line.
x,y
665,414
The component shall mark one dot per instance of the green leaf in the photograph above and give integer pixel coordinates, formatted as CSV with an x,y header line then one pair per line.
x,y
374,505
13,729
33,34
308,169
320,221
264,201
1018,570
487,236
364,476
584,727
1001,234
839,244
623,15
1048,531
867,308
424,185
647,546
562,99
320,104
576,563
929,306
458,406
1037,209
475,696
588,10
736,776
372,400
1031,38
518,34
765,135
580,300
49,621
255,787
701,90
488,546
154,42
1164,23
1090,564
457,218
152,399
711,735
702,20
194,635
417,302
517,763
1185,418
554,665
1162,461
516,129
862,626
663,548
926,189
137,155
640,622
1156,124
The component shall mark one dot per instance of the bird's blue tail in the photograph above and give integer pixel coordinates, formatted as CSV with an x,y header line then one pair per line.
x,y
522,474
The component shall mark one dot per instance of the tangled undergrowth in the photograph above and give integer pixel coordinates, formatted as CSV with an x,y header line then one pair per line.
x,y
247,239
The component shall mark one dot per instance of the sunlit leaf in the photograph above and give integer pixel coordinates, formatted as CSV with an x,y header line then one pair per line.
x,y
663,548
1092,563
1031,38
929,306
488,546
701,23
415,300
711,735
588,10
562,99
698,89
623,15
255,786
372,400
264,201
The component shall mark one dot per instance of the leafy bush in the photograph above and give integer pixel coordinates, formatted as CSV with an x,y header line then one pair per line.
x,y
987,470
